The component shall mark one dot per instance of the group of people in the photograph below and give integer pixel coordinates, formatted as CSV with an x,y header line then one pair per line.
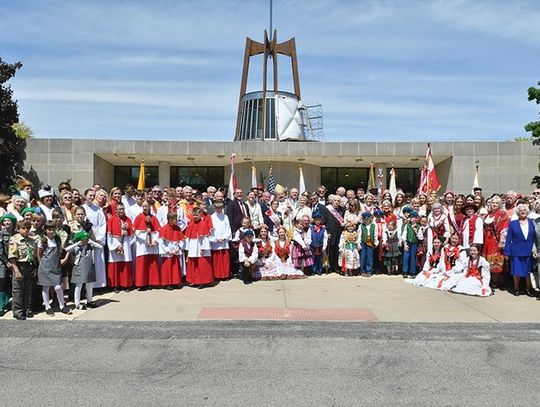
x,y
54,242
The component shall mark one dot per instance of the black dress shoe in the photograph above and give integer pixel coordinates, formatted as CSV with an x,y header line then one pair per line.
x,y
91,304
531,293
19,317
515,293
29,314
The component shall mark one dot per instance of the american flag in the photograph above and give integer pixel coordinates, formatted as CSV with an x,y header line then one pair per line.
x,y
271,182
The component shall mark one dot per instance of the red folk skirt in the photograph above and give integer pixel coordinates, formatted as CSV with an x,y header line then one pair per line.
x,y
146,270
119,274
199,270
170,270
221,263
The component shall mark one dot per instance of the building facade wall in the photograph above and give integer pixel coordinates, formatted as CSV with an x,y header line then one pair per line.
x,y
502,165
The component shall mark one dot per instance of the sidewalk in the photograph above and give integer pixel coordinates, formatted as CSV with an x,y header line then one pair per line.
x,y
331,297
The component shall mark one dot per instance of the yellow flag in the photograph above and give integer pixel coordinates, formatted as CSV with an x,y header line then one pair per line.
x,y
140,185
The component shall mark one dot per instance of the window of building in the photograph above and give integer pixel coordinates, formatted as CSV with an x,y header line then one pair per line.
x,y
198,177
347,177
407,179
124,175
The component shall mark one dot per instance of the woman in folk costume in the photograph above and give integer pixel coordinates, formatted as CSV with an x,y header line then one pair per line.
x,y
439,223
83,267
391,241
475,277
349,244
455,261
120,235
472,228
495,229
282,250
425,241
146,248
399,204
459,217
273,218
519,247
171,244
267,269
433,267
301,242
197,245
221,235
380,225
369,203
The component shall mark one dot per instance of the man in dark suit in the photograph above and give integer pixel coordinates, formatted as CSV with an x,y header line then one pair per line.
x,y
317,207
333,215
237,210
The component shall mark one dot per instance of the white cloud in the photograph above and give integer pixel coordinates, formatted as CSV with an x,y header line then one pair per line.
x,y
516,20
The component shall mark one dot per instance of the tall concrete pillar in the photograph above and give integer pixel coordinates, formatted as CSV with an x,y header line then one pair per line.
x,y
164,174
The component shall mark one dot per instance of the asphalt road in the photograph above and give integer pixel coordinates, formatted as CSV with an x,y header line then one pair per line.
x,y
268,364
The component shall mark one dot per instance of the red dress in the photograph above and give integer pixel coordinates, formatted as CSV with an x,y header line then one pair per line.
x,y
493,233
146,262
171,266
119,267
199,262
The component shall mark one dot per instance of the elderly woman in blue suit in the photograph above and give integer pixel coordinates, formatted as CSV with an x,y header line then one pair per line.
x,y
519,248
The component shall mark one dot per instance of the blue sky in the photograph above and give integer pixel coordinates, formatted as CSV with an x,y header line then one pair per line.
x,y
170,69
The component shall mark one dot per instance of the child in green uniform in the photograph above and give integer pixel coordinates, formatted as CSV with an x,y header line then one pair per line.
x,y
21,255
7,225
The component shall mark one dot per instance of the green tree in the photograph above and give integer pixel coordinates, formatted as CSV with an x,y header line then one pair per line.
x,y
12,146
534,127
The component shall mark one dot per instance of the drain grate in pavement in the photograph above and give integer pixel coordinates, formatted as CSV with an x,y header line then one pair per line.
x,y
288,314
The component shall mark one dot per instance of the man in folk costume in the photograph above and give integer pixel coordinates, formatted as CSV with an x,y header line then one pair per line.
x,y
473,227
368,243
171,244
199,254
319,241
96,216
334,226
120,234
146,248
248,256
221,235
380,224
409,238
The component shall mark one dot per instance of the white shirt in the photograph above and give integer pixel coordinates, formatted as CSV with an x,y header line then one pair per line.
x,y
95,215
221,230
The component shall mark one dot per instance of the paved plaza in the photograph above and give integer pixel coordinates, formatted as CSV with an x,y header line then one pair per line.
x,y
327,298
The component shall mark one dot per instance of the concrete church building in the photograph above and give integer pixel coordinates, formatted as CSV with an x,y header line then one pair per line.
x,y
281,137
502,165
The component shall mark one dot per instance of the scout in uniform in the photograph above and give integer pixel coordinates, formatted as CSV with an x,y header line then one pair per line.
x,y
7,222
21,255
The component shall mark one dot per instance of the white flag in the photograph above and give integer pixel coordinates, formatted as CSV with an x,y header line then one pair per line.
x,y
253,176
393,189
301,183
